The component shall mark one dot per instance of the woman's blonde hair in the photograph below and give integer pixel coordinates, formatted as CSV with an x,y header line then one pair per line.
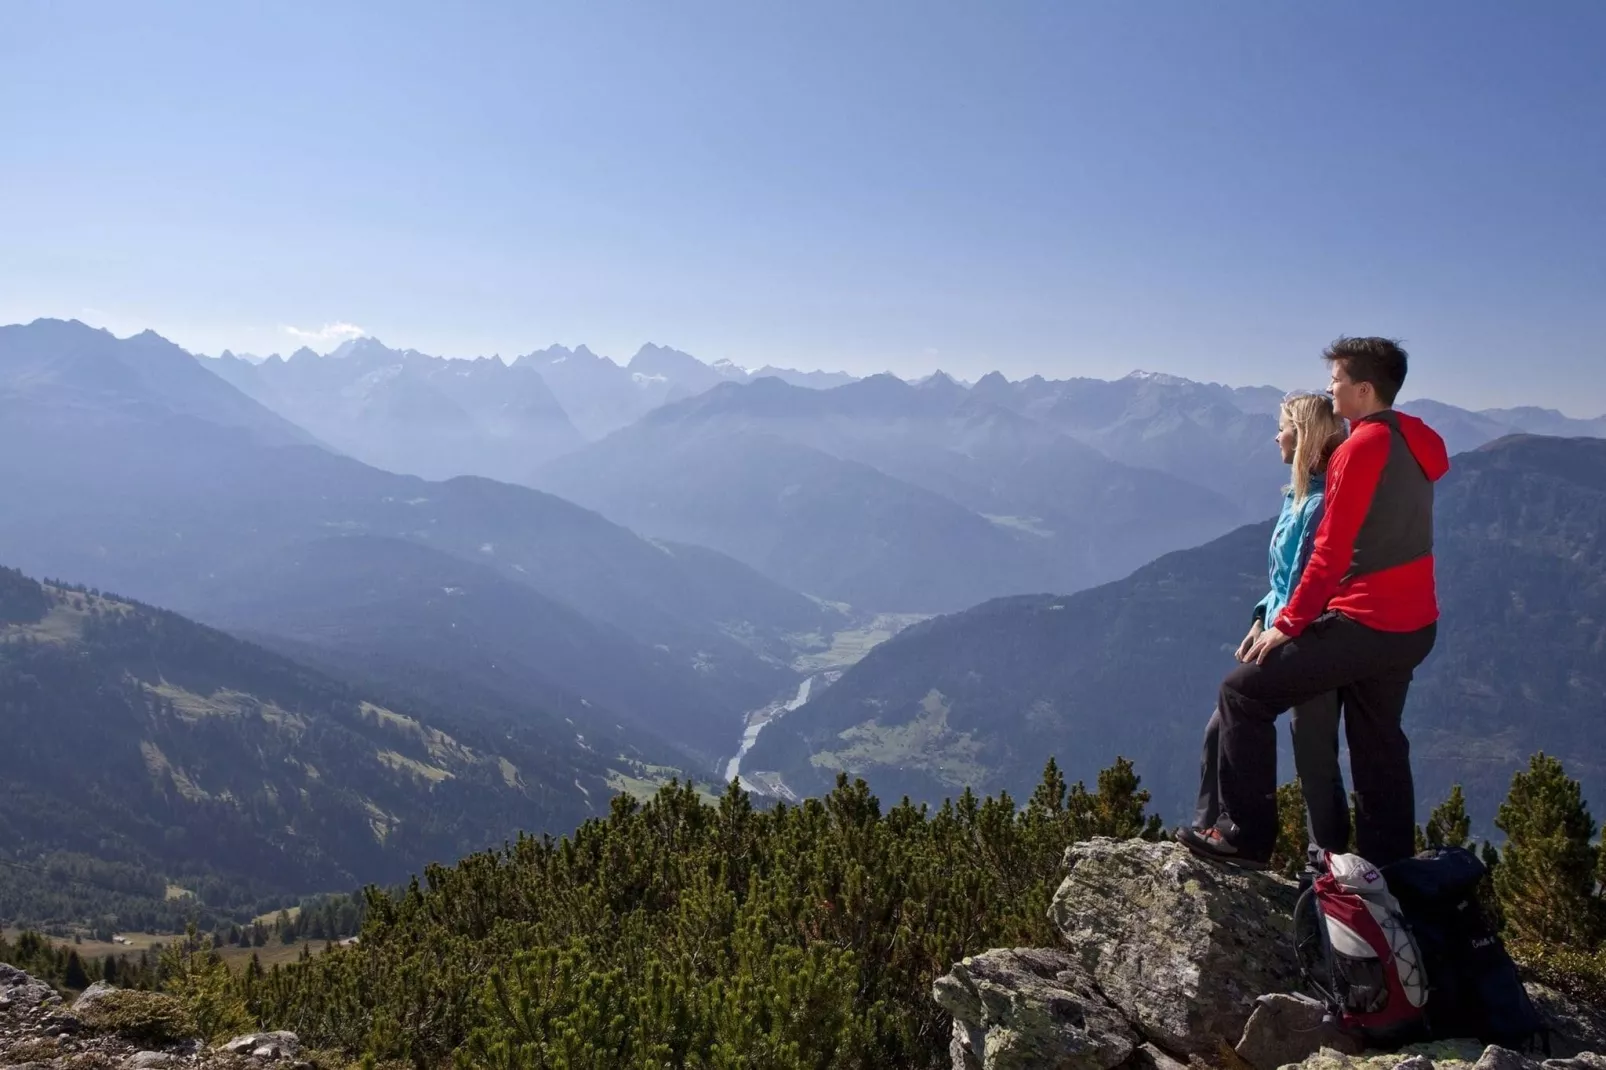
x,y
1318,431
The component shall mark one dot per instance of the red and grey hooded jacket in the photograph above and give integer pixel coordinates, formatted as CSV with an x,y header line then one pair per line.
x,y
1373,556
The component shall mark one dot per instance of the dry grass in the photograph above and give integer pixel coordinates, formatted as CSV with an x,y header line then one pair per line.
x,y
273,915
98,949
270,954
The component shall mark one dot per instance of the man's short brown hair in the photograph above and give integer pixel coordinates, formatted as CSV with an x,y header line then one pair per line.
x,y
1379,361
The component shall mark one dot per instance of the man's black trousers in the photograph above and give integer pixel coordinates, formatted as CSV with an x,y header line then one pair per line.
x,y
1371,671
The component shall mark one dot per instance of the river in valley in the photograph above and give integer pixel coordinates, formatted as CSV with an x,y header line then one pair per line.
x,y
757,719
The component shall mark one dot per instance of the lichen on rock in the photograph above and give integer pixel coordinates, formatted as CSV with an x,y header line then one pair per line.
x,y
1023,1008
1181,945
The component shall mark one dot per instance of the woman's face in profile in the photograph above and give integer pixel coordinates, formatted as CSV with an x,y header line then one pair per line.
x,y
1286,437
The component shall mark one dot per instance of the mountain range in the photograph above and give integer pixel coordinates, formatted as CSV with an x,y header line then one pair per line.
x,y
884,494
981,698
135,491
422,415
428,416
407,412
602,396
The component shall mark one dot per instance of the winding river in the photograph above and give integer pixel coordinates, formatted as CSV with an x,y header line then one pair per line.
x,y
759,718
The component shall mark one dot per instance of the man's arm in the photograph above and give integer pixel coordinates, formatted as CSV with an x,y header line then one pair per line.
x,y
1352,479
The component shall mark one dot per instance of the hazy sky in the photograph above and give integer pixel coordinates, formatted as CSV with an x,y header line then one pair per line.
x,y
1061,188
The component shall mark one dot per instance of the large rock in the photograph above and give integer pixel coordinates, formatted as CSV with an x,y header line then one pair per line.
x,y
1182,946
1287,1029
1574,1025
1164,958
1028,1008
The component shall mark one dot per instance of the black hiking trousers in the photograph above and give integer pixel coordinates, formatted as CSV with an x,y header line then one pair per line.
x,y
1315,732
1371,671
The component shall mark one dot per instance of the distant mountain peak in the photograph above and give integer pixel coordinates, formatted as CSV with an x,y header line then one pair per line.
x,y
365,346
560,354
243,358
994,387
52,323
1162,378
652,359
552,354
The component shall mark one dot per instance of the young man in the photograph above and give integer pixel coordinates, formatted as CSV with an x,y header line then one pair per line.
x,y
1362,618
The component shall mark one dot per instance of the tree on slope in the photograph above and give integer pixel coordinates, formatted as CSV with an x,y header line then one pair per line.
x,y
1547,873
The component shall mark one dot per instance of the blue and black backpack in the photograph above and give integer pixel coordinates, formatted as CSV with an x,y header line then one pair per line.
x,y
1474,987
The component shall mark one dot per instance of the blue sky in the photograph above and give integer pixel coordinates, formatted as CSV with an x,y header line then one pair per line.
x,y
1213,190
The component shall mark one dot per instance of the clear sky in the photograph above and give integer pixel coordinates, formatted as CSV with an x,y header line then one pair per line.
x,y
1064,188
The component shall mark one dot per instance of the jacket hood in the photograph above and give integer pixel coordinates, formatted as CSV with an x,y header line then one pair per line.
x,y
1424,443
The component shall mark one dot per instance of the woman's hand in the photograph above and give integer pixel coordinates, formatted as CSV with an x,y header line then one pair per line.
x,y
1270,640
1249,640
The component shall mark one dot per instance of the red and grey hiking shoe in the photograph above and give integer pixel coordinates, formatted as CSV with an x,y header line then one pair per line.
x,y
1214,844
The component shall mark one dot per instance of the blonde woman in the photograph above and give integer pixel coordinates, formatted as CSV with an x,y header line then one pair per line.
x,y
1308,431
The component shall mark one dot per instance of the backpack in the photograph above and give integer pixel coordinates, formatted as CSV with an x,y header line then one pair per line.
x,y
1356,952
1476,990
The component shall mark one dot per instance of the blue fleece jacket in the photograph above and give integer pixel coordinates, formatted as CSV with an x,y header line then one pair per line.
x,y
1291,542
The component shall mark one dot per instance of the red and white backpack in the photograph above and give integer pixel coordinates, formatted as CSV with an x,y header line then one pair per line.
x,y
1356,953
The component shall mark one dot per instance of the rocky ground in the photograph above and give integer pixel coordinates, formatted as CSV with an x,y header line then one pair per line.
x,y
1168,961
118,1029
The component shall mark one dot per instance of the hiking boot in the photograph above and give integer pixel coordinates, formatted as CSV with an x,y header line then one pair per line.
x,y
1214,844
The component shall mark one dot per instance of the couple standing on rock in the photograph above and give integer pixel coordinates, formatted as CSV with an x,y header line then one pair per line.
x,y
1351,613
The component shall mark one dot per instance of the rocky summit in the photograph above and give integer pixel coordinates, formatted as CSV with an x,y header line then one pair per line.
x,y
108,1028
1169,961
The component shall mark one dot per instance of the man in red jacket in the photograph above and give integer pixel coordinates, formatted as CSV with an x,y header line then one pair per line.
x,y
1362,618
